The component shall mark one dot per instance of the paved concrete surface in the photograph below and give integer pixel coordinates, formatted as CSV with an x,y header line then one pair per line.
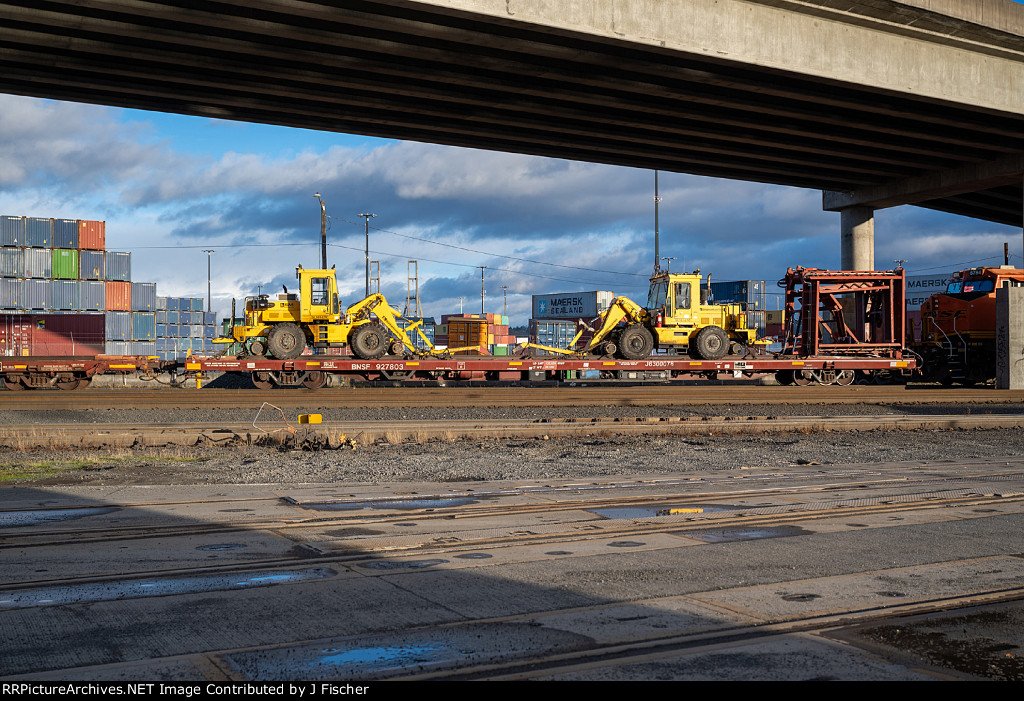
x,y
789,573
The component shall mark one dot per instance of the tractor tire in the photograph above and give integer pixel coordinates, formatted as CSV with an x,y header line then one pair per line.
x,y
711,343
369,341
286,341
635,343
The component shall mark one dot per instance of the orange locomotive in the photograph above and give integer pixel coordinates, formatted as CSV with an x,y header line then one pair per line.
x,y
958,326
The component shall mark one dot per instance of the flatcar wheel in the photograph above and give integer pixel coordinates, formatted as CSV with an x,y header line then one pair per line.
x,y
261,380
314,380
14,382
784,377
69,385
803,378
845,377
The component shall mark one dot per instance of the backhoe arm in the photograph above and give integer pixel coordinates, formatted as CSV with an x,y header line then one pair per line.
x,y
621,309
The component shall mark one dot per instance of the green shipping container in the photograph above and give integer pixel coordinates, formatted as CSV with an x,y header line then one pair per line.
x,y
65,264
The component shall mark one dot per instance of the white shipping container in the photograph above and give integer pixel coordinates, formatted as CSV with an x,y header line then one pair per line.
x,y
12,262
38,263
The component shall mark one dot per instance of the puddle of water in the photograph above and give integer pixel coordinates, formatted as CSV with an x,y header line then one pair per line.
x,y
623,512
729,535
221,546
116,591
401,564
407,505
378,657
625,544
801,597
474,556
16,519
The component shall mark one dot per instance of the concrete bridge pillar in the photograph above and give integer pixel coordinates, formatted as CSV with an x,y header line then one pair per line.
x,y
857,226
1010,338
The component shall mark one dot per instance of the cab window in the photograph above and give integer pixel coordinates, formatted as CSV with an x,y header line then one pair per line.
x,y
656,297
318,291
682,293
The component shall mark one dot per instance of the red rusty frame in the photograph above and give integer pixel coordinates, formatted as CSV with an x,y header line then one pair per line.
x,y
875,298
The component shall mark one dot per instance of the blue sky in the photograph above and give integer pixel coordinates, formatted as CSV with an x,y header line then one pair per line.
x,y
169,186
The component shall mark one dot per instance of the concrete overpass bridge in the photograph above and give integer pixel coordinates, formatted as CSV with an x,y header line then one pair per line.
x,y
875,102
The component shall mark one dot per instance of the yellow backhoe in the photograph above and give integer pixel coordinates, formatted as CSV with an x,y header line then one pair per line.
x,y
677,318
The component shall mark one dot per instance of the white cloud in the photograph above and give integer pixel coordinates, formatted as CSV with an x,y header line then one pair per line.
x,y
68,160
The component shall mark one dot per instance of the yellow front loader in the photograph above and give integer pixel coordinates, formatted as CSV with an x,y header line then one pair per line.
x,y
285,327
677,318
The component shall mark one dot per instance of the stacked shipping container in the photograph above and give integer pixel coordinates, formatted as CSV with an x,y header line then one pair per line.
x,y
488,333
60,266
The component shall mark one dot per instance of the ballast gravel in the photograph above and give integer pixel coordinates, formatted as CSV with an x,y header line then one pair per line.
x,y
603,455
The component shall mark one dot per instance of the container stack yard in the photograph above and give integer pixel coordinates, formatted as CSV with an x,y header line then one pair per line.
x,y
62,294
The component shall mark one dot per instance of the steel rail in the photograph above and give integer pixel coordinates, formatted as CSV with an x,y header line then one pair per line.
x,y
495,396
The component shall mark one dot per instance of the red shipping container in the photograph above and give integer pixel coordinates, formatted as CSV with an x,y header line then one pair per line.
x,y
51,334
119,296
92,235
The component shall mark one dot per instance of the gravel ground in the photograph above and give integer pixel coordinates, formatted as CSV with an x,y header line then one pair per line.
x,y
515,459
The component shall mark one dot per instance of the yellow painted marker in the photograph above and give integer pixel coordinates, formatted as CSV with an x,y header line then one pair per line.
x,y
311,418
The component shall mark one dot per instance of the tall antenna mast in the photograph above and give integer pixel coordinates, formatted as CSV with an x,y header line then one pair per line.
x,y
374,276
412,290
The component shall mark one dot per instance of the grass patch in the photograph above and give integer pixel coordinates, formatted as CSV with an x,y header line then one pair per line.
x,y
40,469
44,468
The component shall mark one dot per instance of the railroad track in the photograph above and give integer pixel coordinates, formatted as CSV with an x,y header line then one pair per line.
x,y
498,396
336,434
623,508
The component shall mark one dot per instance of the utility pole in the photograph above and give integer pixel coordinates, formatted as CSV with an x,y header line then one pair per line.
x,y
323,232
367,218
657,200
209,256
482,268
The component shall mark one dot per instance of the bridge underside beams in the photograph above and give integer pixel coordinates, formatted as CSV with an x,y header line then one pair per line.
x,y
430,71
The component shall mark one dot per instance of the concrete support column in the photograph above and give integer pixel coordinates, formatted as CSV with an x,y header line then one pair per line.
x,y
1010,338
857,225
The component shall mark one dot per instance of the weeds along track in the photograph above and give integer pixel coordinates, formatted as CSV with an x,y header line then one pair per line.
x,y
279,432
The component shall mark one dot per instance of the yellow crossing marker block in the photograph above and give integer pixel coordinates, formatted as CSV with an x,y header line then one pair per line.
x,y
311,418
